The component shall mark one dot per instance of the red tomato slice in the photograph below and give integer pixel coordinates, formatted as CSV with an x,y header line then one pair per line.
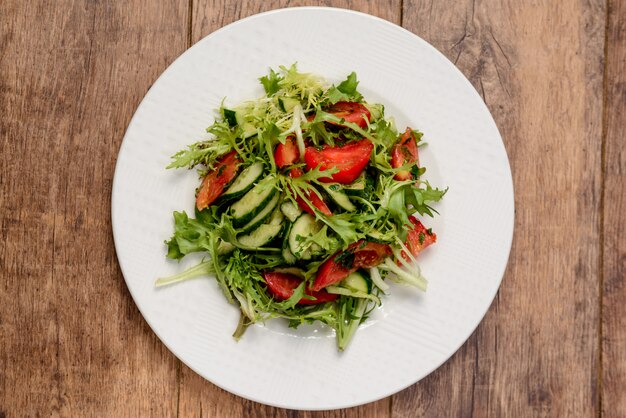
x,y
330,272
404,152
351,112
282,285
215,182
370,254
287,153
315,199
350,159
361,254
418,238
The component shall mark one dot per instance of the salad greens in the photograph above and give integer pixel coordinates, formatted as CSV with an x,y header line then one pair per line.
x,y
309,202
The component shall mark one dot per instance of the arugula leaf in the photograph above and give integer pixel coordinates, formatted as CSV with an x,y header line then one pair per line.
x,y
298,294
189,236
348,86
350,312
271,83
345,91
397,209
204,268
207,152
419,198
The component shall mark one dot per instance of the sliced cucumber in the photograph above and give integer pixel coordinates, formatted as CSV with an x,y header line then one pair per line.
x,y
291,210
248,128
263,215
357,187
357,281
277,217
288,256
356,285
377,236
244,182
304,227
287,104
339,197
253,202
261,236
230,117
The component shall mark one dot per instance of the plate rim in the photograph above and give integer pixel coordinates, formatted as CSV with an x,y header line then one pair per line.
x,y
305,9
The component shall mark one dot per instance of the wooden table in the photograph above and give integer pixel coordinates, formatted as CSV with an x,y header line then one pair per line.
x,y
72,341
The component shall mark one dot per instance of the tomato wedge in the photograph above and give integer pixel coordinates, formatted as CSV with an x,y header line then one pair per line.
x,y
315,199
215,182
418,238
370,254
404,152
282,286
331,271
287,153
350,159
361,254
351,112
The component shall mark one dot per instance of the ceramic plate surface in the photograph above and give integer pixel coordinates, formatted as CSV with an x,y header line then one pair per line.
x,y
413,333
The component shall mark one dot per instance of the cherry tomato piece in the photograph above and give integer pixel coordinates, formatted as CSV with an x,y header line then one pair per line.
x,y
361,254
351,112
314,198
404,152
418,238
215,182
282,286
350,159
287,153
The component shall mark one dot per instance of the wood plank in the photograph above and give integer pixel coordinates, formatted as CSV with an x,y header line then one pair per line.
x,y
73,72
614,245
197,396
539,70
210,15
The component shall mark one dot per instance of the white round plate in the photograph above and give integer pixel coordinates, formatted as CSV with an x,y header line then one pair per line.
x,y
413,333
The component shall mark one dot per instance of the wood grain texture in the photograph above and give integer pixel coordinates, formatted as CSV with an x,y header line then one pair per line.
x,y
73,341
539,70
614,248
197,396
210,15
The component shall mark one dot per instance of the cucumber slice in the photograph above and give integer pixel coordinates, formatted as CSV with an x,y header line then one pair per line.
x,y
286,104
230,117
253,202
304,227
277,217
261,236
339,197
357,281
379,237
357,187
288,256
244,182
356,285
291,211
263,215
248,128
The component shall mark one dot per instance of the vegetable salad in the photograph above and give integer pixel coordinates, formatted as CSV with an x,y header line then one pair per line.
x,y
310,201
